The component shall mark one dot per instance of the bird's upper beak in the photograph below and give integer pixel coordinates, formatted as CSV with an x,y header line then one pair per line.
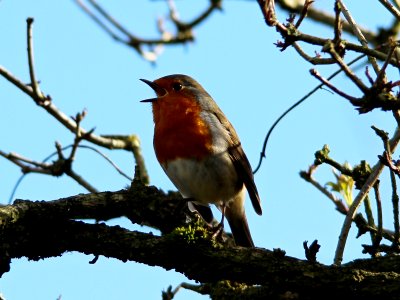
x,y
160,91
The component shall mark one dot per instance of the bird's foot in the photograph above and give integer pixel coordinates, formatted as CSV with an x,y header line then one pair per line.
x,y
218,231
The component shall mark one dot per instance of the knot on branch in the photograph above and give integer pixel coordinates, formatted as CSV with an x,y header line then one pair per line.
x,y
61,166
377,98
322,155
311,251
361,173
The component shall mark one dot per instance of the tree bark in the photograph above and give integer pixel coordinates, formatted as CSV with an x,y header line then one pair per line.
x,y
42,229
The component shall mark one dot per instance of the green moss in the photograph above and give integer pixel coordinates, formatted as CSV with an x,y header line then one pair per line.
x,y
195,232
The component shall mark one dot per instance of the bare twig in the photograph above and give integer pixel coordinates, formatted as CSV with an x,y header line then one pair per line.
x,y
322,17
81,181
386,159
268,10
358,33
340,206
338,24
62,118
14,190
303,13
370,216
304,98
171,293
43,168
99,22
112,20
291,34
34,83
27,165
316,74
130,143
119,33
395,201
199,19
392,9
376,171
381,78
109,161
330,48
378,236
395,196
313,60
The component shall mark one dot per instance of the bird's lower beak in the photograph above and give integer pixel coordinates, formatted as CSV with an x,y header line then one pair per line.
x,y
158,89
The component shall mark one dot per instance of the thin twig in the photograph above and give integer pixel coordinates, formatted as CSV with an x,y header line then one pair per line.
x,y
316,74
324,18
99,22
268,10
378,236
305,97
111,19
381,78
53,110
358,33
98,152
79,179
24,163
370,182
203,16
370,216
393,10
171,293
118,32
313,60
270,17
395,201
395,196
34,83
338,24
40,165
10,199
331,49
303,13
17,157
338,203
108,160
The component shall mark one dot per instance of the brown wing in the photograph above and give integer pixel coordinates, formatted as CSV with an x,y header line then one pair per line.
x,y
241,162
244,171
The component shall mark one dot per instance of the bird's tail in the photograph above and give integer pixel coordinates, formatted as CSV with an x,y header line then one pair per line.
x,y
240,230
237,220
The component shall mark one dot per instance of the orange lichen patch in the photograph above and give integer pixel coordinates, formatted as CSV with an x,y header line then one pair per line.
x,y
180,132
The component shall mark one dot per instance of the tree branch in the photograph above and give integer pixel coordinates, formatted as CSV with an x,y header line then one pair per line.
x,y
38,230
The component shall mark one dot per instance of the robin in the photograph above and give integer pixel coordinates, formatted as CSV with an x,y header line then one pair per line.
x,y
201,153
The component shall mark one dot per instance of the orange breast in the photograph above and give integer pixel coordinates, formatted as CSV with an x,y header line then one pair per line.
x,y
180,132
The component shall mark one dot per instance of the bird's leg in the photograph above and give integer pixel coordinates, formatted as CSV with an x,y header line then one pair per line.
x,y
220,227
221,224
204,211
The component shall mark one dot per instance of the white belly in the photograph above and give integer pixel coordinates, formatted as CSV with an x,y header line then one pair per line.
x,y
211,181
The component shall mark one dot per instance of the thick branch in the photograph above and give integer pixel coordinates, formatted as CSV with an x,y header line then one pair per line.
x,y
38,230
142,205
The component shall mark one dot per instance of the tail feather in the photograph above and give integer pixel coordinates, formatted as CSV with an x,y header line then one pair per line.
x,y
240,228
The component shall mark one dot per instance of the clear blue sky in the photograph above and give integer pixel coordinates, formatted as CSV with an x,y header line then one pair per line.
x,y
234,58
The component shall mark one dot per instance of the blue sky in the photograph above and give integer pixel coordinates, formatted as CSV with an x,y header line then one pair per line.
x,y
235,59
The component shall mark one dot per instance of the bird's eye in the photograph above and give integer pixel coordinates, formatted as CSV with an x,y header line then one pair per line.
x,y
177,86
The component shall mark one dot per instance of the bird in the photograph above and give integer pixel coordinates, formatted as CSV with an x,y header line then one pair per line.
x,y
201,153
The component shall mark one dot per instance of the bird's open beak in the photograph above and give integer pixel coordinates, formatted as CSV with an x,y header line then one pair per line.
x,y
158,89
